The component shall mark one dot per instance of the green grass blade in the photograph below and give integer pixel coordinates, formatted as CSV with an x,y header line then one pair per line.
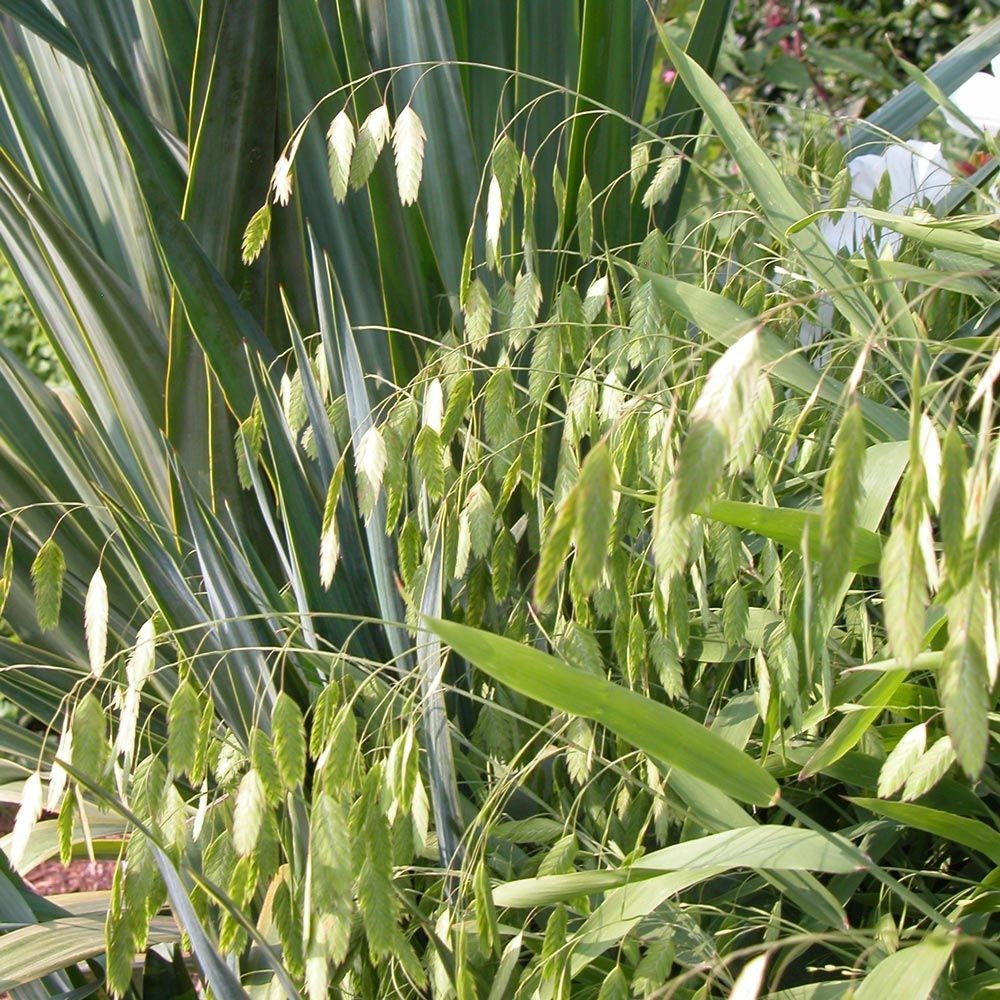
x,y
789,526
908,974
660,731
971,833
854,725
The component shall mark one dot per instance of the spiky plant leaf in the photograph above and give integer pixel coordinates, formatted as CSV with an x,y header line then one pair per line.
x,y
459,400
715,422
544,363
487,925
645,322
248,443
580,752
506,164
638,164
408,140
840,189
527,304
262,761
58,776
90,737
281,181
143,657
7,575
494,220
499,404
428,456
585,217
953,499
28,814
615,986
463,547
323,715
371,845
47,573
502,563
904,584
735,614
929,769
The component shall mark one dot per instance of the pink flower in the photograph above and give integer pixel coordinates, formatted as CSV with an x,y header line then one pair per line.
x,y
668,75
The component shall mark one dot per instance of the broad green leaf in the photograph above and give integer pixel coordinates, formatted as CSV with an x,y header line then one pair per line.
x,y
777,848
855,724
32,952
789,526
660,731
908,974
971,833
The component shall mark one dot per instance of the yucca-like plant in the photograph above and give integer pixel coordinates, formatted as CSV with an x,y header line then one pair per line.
x,y
449,376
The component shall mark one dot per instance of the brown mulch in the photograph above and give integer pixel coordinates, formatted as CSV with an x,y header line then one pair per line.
x,y
50,877
79,876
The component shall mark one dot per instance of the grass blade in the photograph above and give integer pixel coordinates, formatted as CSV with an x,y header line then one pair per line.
x,y
660,731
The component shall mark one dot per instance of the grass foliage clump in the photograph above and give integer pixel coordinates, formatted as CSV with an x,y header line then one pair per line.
x,y
509,529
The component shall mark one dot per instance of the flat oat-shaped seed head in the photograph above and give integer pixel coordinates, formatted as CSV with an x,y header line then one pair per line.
x,y
408,140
